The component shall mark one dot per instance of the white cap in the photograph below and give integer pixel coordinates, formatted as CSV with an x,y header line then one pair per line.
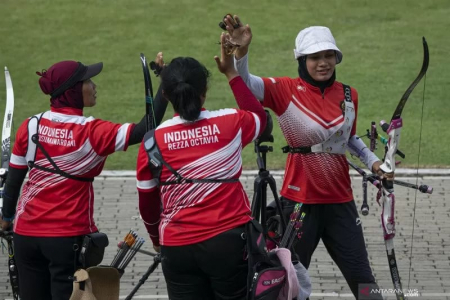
x,y
315,39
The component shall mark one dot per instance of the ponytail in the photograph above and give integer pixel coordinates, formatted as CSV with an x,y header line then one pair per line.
x,y
184,82
186,101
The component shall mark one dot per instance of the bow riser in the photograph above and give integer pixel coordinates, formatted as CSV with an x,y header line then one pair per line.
x,y
393,132
387,216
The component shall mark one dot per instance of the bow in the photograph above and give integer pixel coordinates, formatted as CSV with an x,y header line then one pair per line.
x,y
393,130
6,155
149,105
6,132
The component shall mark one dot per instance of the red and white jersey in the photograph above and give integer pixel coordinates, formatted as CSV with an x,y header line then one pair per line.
x,y
53,205
208,148
307,117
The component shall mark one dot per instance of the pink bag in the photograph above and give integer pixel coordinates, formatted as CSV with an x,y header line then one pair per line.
x,y
291,287
266,276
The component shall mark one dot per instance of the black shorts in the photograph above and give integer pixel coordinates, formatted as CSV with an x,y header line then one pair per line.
x,y
212,269
46,266
340,229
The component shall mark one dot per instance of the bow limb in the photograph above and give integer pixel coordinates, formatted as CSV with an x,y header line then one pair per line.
x,y
4,165
394,128
149,104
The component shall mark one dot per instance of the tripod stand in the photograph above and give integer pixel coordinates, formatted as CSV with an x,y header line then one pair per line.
x,y
12,268
151,269
264,179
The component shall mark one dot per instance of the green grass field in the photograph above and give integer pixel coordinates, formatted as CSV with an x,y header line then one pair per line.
x,y
381,42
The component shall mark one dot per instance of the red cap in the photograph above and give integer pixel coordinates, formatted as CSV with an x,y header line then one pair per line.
x,y
65,74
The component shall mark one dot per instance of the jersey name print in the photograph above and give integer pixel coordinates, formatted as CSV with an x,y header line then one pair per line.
x,y
192,137
61,137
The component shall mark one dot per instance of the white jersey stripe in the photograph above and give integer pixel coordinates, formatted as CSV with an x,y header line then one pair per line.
x,y
146,184
75,163
258,126
316,117
224,163
78,162
121,137
18,160
29,192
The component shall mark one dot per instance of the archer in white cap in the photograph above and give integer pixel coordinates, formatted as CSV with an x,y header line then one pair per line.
x,y
317,116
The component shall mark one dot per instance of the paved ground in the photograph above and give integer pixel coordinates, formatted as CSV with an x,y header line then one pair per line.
x,y
428,271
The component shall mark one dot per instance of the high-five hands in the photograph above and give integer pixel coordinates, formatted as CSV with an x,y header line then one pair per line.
x,y
225,63
158,65
240,35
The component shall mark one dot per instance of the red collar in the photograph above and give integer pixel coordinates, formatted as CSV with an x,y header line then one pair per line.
x,y
177,114
67,111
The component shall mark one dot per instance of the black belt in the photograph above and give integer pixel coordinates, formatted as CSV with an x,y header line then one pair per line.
x,y
302,150
181,180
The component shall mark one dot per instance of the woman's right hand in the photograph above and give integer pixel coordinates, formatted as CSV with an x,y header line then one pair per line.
x,y
226,62
240,34
159,60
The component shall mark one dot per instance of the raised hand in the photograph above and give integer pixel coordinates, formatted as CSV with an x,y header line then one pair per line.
x,y
226,62
159,60
240,34
158,65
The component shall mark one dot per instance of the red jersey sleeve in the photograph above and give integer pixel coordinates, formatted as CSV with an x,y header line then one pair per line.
x,y
107,137
150,211
20,147
149,198
277,93
145,181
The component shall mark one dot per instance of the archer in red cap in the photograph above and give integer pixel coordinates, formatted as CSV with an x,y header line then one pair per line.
x,y
62,151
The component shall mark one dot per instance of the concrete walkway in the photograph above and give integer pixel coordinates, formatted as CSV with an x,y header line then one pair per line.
x,y
427,273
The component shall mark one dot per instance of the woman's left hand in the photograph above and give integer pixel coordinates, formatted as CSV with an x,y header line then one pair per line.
x,y
377,170
240,34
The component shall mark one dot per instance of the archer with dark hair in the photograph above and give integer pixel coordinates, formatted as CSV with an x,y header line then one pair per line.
x,y
184,82
199,231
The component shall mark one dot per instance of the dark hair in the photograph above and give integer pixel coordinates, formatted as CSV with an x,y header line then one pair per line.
x,y
184,81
